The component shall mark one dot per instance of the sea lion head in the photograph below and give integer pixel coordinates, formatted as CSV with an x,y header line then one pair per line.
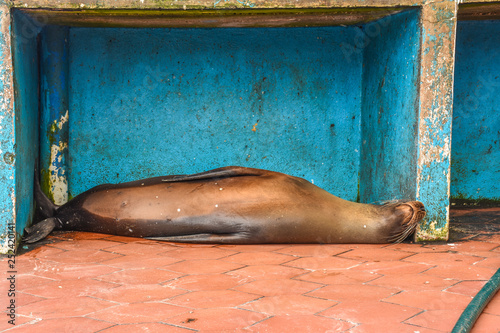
x,y
407,215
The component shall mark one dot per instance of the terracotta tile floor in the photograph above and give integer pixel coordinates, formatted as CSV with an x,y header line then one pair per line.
x,y
83,282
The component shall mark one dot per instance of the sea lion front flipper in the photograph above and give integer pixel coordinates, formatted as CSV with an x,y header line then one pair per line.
x,y
40,230
230,171
232,238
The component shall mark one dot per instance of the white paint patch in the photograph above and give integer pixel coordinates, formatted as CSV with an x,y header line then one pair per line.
x,y
58,182
178,209
63,120
216,206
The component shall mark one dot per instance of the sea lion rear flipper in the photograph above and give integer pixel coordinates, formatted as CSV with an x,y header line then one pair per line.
x,y
40,230
232,238
225,172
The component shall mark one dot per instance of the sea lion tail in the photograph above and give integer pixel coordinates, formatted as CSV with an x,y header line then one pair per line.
x,y
46,207
409,223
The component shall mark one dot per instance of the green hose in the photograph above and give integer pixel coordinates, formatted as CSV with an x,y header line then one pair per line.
x,y
476,306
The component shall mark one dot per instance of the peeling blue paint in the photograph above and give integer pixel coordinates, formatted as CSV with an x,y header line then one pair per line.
x,y
54,112
23,134
7,144
475,160
193,99
434,144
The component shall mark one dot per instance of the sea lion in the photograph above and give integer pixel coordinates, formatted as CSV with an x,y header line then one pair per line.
x,y
233,205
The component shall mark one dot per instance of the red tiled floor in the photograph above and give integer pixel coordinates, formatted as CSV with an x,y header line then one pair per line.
x,y
259,258
72,324
69,288
414,282
430,300
469,288
57,308
440,320
205,282
100,283
137,293
313,250
147,327
392,267
138,313
208,266
131,262
87,256
490,262
61,271
346,292
487,323
315,263
85,244
277,287
390,328
339,276
458,272
201,252
21,322
302,323
212,299
264,272
140,248
23,299
217,319
140,276
287,305
370,311
375,254
493,307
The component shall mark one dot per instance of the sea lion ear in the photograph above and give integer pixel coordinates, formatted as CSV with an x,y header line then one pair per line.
x,y
40,230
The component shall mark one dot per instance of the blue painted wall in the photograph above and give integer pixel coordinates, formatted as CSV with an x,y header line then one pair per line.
x,y
25,61
390,108
475,156
164,101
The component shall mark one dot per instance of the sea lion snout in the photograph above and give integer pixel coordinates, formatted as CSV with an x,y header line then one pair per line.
x,y
410,213
417,209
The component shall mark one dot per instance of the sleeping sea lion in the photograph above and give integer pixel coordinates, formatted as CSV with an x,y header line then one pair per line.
x,y
231,205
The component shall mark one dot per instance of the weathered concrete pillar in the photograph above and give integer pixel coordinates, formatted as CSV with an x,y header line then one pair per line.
x,y
7,137
434,131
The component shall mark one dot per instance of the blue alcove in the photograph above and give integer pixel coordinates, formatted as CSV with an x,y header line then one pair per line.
x,y
336,105
475,158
